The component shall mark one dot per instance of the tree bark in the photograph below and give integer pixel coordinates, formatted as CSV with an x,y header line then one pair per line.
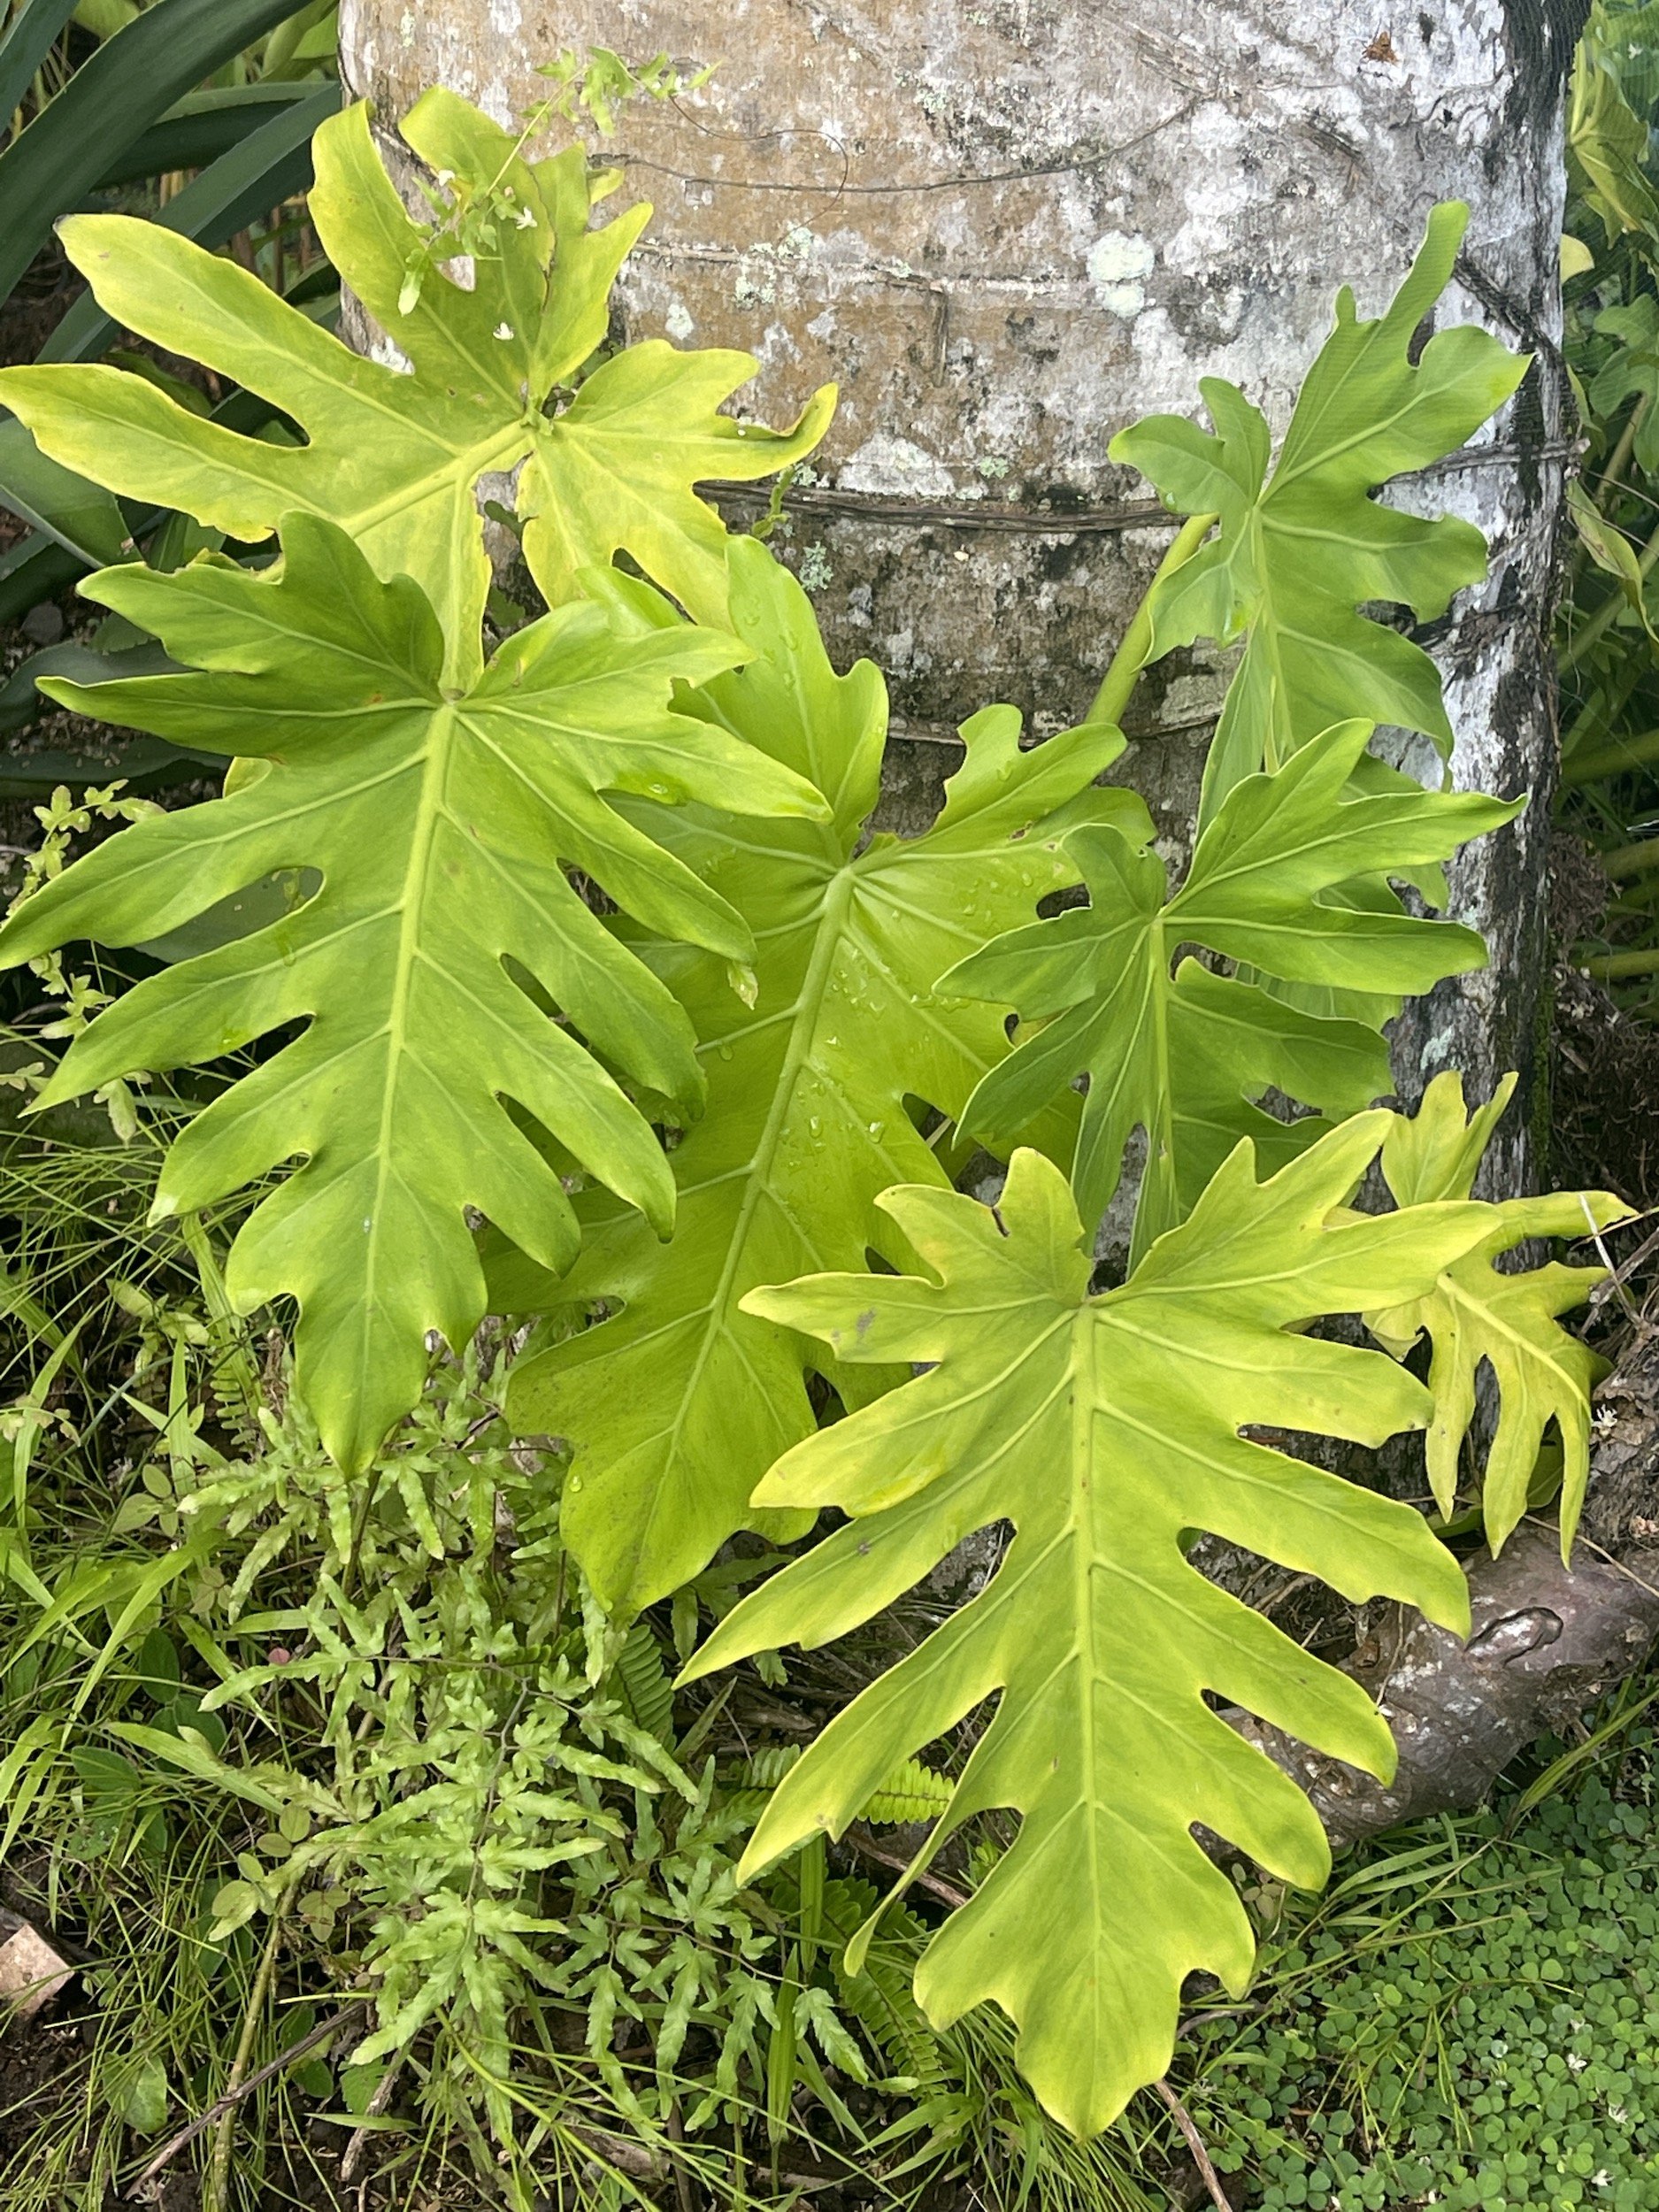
x,y
1009,230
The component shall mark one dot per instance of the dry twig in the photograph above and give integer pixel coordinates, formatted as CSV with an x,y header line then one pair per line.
x,y
1183,2120
231,2098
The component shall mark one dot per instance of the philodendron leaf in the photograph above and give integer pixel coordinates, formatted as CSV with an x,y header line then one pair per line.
x,y
440,824
1183,1055
678,1405
1475,1314
1299,550
1105,1430
396,458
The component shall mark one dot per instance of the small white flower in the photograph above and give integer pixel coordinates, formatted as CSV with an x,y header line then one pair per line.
x,y
1576,2060
526,219
1618,2113
503,330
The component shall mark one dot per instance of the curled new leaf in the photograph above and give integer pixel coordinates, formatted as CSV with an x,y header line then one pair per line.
x,y
440,824
678,1404
1299,552
1478,1315
396,458
1176,1050
1105,1429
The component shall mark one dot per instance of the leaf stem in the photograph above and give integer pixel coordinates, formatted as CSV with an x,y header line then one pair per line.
x,y
1130,656
216,2194
1612,967
1614,759
1630,860
1613,475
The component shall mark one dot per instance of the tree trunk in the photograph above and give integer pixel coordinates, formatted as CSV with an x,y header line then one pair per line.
x,y
1006,232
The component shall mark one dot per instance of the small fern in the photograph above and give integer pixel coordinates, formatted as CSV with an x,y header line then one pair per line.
x,y
644,1682
911,1791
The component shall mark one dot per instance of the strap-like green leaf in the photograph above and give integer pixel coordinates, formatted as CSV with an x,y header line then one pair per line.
x,y
440,824
116,93
396,458
81,517
1300,551
1183,1056
1476,1314
678,1406
1105,1429
196,130
27,39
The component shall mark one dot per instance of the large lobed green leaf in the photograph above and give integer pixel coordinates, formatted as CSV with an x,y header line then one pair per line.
x,y
440,824
1106,1429
1476,1315
396,458
1182,1053
1300,549
679,1404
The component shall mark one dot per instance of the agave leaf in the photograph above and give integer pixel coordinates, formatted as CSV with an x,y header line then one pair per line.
x,y
1299,550
439,824
1105,1429
1476,1313
1182,1055
678,1406
115,94
396,458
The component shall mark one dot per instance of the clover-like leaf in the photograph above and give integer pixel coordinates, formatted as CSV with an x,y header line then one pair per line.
x,y
1476,1314
396,458
678,1403
1300,549
1105,1429
438,825
1182,1053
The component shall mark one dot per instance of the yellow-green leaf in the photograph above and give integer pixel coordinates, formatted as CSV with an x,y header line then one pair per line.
x,y
1105,1429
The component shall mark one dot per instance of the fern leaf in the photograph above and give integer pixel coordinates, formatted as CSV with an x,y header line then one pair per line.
x,y
911,1791
677,1405
396,458
437,825
1105,1428
645,1682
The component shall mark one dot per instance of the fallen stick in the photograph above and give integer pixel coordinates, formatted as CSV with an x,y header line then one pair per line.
x,y
228,2102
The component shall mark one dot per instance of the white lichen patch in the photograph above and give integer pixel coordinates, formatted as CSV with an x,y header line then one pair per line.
x,y
678,321
1117,265
890,464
